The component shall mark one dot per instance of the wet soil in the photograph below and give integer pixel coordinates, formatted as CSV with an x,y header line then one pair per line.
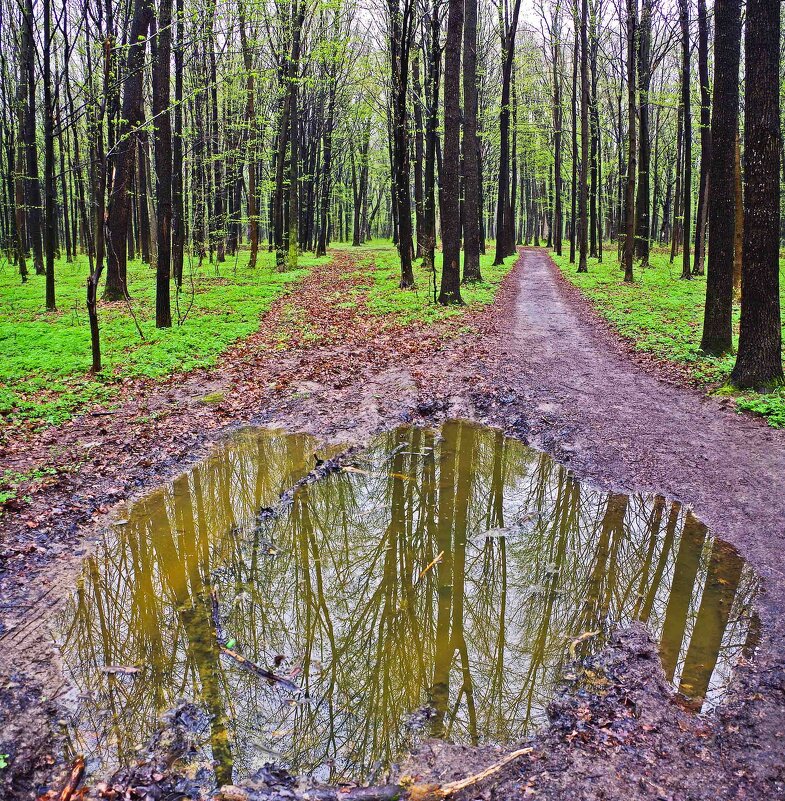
x,y
539,364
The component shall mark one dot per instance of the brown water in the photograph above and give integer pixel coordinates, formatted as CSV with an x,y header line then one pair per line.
x,y
432,590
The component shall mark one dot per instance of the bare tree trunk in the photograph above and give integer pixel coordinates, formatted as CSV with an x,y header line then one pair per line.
x,y
471,149
451,179
759,360
705,125
125,149
162,131
718,311
584,175
629,198
686,225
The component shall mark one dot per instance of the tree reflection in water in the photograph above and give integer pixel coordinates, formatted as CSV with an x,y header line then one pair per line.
x,y
523,558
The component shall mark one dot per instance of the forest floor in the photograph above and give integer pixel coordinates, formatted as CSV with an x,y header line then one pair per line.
x,y
538,362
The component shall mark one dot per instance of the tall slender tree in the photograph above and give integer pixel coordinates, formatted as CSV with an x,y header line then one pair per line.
x,y
718,312
451,183
471,149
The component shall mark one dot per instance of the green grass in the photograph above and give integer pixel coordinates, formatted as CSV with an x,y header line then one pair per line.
x,y
45,357
662,314
380,267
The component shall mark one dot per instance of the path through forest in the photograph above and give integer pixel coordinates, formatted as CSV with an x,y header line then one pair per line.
x,y
539,363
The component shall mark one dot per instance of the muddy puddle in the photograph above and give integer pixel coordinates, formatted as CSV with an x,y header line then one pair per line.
x,y
438,586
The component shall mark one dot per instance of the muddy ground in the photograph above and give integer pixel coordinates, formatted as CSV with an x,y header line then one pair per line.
x,y
539,364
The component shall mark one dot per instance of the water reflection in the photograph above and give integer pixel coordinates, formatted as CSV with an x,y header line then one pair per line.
x,y
433,589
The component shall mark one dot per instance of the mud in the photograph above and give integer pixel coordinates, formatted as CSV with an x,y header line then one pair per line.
x,y
542,366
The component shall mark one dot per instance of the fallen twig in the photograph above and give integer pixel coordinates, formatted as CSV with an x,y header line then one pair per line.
x,y
432,564
70,787
259,670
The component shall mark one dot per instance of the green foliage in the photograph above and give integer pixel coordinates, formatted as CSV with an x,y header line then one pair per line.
x,y
3,761
662,314
380,266
45,358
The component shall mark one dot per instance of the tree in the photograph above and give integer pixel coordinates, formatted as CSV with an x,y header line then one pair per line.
x,y
759,360
583,243
471,149
505,222
629,204
718,312
50,221
686,226
705,126
642,216
125,150
162,127
401,36
451,216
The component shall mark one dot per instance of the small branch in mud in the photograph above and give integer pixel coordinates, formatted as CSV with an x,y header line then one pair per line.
x,y
259,670
239,658
405,791
69,791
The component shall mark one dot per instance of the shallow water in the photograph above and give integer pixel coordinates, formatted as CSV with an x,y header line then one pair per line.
x,y
434,589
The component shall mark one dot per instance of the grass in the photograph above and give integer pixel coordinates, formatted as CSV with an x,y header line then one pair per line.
x,y
45,357
662,314
380,266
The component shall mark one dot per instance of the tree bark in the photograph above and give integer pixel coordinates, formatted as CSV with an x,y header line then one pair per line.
x,y
718,311
505,224
642,206
686,205
584,173
162,132
629,198
50,220
701,216
759,360
471,149
125,149
451,179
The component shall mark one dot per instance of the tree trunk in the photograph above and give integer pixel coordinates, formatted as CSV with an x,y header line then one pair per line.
x,y
50,222
584,175
505,230
718,312
686,205
33,201
574,182
471,149
701,214
178,210
125,149
642,206
759,360
629,198
162,132
451,179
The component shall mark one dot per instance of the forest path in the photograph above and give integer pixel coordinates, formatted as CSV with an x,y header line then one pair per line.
x,y
612,420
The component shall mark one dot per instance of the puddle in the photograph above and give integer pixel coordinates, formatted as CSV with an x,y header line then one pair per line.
x,y
434,589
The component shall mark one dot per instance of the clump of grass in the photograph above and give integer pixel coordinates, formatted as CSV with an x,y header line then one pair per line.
x,y
380,267
662,314
212,398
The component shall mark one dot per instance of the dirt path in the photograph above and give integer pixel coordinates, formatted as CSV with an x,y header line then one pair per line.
x,y
543,366
626,427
